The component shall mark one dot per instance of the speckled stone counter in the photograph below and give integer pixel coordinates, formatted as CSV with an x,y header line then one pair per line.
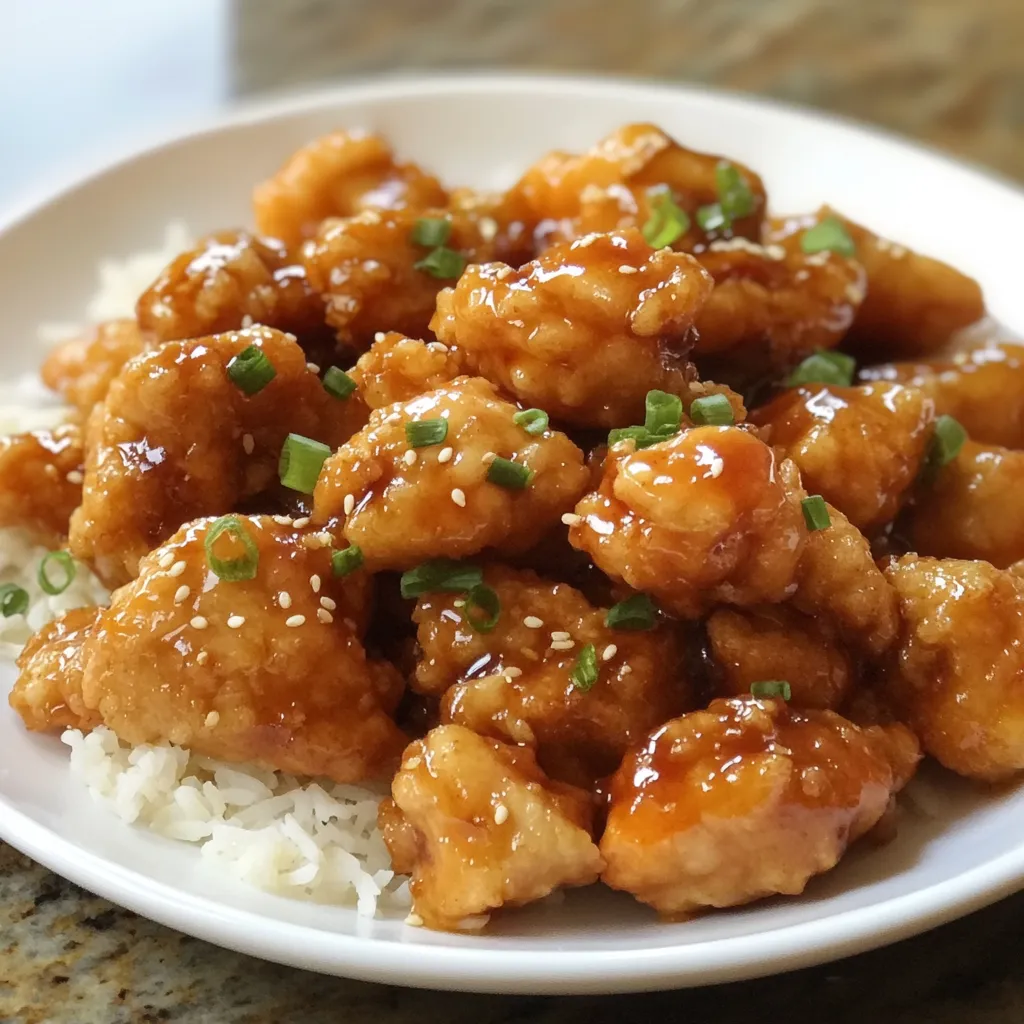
x,y
946,71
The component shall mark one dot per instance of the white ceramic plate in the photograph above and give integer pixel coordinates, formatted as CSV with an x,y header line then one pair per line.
x,y
482,131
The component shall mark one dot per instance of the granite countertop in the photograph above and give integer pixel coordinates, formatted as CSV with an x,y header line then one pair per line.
x,y
944,71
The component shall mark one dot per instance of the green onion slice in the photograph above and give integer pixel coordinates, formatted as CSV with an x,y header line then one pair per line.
x,y
824,368
641,435
424,433
513,476
251,371
712,217
347,560
772,688
485,599
734,194
664,413
945,445
829,235
533,421
636,612
338,383
667,223
232,570
301,461
442,263
13,600
816,513
441,574
712,410
584,672
431,231
65,572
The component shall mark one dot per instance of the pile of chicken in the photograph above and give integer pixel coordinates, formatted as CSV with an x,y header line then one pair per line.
x,y
436,486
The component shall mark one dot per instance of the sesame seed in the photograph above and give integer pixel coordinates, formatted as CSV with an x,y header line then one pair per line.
x,y
236,621
283,520
445,454
324,615
301,522
459,497
202,657
329,603
409,458
248,444
488,458
313,541
513,672
571,519
199,622
500,814
379,336
349,504
393,417
609,652
284,599
177,569
501,273
166,560
246,321
75,477
295,620
560,634
459,602
562,645
414,762
488,228
414,920
212,719
312,367
437,346
314,583
626,269
528,654
532,622
181,594
625,670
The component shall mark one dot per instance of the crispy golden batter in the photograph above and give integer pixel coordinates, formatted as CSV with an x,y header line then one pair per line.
x,y
983,389
504,221
958,672
777,642
709,516
859,448
479,826
80,370
585,330
339,175
744,800
403,508
512,684
41,481
169,443
397,369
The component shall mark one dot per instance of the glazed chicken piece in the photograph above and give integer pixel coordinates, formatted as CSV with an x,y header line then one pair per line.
x,y
585,330
41,481
268,670
709,516
231,280
486,483
983,389
958,671
398,369
521,680
776,642
860,448
504,220
742,801
80,370
479,826
914,304
339,175
176,439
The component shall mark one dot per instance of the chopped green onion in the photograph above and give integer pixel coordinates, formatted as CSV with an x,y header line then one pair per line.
x,y
301,461
584,672
424,433
712,217
251,371
13,600
734,195
667,222
486,599
945,445
347,560
513,476
816,513
67,572
664,413
232,570
771,688
712,410
533,421
441,574
829,235
338,383
641,435
442,263
824,368
431,231
636,612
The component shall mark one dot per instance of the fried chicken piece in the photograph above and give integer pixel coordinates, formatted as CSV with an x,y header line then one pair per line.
x,y
171,442
228,277
709,516
504,221
339,175
402,505
958,670
80,370
41,481
510,683
742,801
479,826
983,389
839,581
585,330
776,642
860,448
972,507
397,369
914,304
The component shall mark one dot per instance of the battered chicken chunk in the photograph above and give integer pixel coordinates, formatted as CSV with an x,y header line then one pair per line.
x,y
80,370
958,671
776,642
228,277
41,481
401,505
176,439
585,330
983,389
518,680
709,516
397,369
744,800
339,175
860,448
479,826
